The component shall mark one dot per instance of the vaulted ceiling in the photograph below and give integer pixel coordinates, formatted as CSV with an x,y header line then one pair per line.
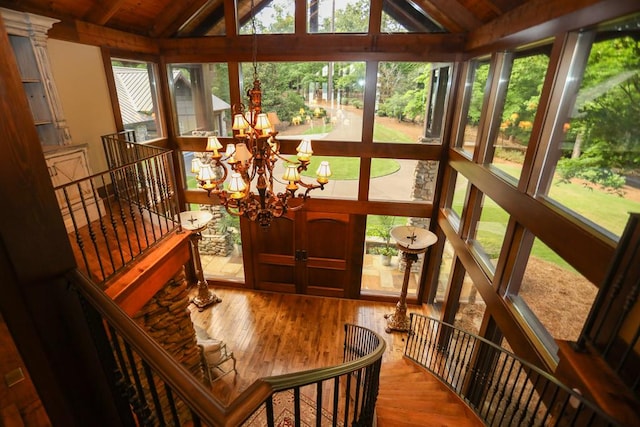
x,y
192,18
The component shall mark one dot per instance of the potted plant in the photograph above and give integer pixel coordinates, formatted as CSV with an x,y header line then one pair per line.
x,y
383,231
386,252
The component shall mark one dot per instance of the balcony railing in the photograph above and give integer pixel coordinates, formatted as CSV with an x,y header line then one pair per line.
x,y
501,388
113,217
154,390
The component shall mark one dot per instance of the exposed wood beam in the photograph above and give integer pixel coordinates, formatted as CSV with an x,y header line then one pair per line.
x,y
193,23
539,19
102,11
95,35
418,22
456,19
318,47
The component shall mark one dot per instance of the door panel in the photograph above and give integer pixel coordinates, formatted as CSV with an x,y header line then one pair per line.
x,y
312,255
327,243
273,253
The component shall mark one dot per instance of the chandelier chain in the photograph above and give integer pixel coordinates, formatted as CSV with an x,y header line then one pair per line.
x,y
254,47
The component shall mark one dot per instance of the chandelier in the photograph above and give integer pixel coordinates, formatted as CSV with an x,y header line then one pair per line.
x,y
249,163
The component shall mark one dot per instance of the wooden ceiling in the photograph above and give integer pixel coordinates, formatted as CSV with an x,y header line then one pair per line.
x,y
194,18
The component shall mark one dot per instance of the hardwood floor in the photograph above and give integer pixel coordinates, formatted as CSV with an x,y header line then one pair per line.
x,y
273,334
107,244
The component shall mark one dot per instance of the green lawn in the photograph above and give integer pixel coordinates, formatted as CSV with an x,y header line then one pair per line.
x,y
605,209
384,134
318,129
348,168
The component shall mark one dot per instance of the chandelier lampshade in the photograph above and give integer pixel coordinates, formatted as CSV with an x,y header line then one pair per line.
x,y
249,162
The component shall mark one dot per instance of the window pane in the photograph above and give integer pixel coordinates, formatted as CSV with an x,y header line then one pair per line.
x,y
137,97
383,266
401,101
597,174
437,103
318,100
343,183
187,158
520,106
490,231
345,16
200,95
402,179
445,270
459,194
274,17
472,307
221,246
477,80
558,296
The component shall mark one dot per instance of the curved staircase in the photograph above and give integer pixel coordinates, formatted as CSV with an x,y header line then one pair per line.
x,y
411,396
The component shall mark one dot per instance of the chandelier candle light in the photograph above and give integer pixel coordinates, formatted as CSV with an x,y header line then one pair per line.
x,y
251,158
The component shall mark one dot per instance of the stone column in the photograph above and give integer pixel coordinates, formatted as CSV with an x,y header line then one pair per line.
x,y
167,319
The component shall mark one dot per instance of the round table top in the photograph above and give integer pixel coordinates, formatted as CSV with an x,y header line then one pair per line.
x,y
413,239
195,220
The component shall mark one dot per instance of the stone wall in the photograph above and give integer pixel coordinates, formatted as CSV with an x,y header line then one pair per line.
x,y
214,242
166,318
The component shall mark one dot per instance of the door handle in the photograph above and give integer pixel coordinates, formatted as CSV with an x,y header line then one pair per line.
x,y
301,255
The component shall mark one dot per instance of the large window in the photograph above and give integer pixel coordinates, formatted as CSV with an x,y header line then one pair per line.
x,y
510,141
383,265
345,16
558,297
200,95
137,97
488,232
273,17
597,173
401,101
477,79
316,100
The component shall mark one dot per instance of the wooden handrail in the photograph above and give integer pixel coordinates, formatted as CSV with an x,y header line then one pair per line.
x,y
181,381
190,390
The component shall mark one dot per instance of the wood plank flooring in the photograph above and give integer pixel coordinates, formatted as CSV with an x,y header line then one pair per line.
x,y
273,334
106,245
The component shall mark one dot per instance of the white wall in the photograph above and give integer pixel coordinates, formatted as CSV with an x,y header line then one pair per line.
x,y
79,76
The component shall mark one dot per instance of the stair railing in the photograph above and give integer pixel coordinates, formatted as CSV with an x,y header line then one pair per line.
x,y
150,388
127,209
503,389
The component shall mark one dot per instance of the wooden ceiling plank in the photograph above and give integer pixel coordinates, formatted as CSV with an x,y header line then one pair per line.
x,y
169,20
450,14
103,11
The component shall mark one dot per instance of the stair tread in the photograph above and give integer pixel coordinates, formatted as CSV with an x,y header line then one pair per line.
x,y
411,396
432,420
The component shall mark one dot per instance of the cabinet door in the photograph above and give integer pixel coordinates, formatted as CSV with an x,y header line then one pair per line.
x,y
67,167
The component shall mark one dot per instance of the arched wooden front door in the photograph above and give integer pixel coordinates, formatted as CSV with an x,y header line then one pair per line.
x,y
315,253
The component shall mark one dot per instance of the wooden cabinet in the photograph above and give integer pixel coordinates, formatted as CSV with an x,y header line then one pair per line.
x,y
66,163
28,37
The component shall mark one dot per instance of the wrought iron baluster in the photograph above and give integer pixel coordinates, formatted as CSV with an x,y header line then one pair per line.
x,y
172,405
